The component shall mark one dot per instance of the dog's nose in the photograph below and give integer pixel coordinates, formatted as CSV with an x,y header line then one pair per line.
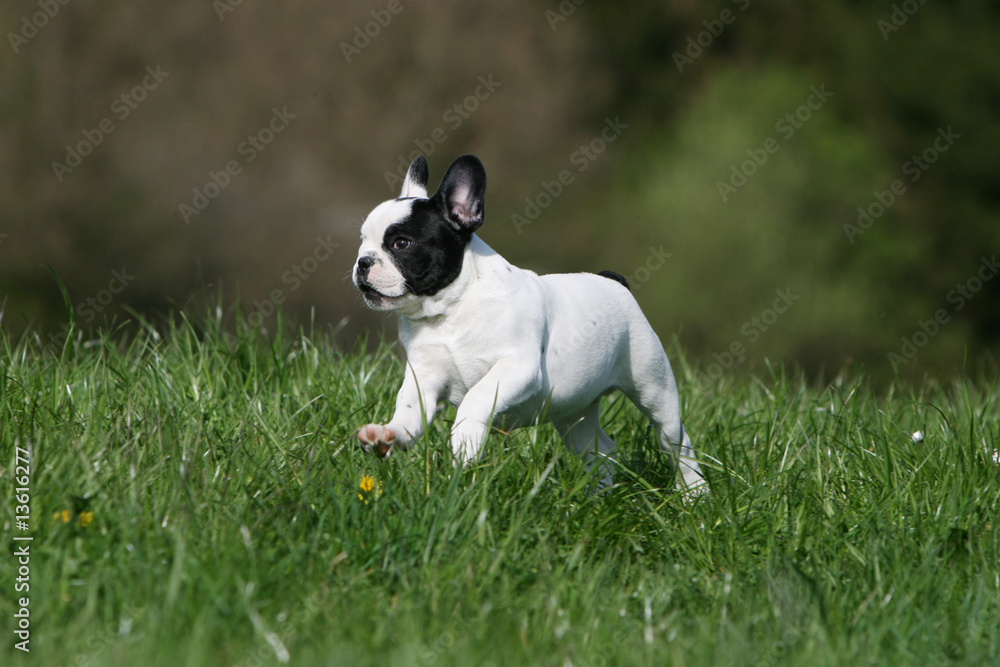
x,y
364,263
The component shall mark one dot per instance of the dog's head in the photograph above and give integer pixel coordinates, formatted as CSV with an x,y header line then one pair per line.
x,y
412,246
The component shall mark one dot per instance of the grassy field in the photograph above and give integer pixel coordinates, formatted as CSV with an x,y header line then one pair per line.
x,y
200,500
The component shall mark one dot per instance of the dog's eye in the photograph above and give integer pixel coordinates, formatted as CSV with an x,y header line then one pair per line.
x,y
401,244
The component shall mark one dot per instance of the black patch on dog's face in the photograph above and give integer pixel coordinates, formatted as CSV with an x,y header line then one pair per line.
x,y
426,248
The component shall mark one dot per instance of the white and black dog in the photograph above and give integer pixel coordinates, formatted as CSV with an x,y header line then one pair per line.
x,y
503,344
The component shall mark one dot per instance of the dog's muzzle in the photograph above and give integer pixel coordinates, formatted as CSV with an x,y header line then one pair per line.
x,y
364,264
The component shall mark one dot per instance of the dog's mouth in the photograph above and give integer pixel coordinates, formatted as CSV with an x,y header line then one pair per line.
x,y
375,299
369,291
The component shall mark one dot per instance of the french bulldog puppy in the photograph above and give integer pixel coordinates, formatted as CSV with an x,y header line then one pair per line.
x,y
503,344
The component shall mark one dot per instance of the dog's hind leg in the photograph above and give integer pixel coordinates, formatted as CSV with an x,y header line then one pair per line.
x,y
583,435
652,387
662,409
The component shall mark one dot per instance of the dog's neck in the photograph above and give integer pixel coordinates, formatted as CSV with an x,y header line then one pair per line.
x,y
476,258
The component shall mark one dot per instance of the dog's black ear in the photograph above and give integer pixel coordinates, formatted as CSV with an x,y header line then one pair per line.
x,y
415,184
463,193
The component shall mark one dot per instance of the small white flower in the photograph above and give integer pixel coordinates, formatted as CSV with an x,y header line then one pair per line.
x,y
918,436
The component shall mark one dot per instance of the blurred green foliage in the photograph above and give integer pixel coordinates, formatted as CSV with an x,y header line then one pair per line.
x,y
755,131
706,104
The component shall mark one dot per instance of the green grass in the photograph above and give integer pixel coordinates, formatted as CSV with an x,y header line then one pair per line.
x,y
223,480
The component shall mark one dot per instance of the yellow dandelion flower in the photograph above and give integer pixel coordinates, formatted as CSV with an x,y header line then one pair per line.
x,y
86,518
63,516
367,483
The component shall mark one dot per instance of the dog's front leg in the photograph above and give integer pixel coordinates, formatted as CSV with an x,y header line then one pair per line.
x,y
508,383
416,404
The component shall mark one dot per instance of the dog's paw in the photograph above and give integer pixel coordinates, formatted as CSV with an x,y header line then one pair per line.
x,y
377,437
694,489
467,440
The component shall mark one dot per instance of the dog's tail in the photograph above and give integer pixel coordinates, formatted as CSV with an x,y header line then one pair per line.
x,y
617,277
